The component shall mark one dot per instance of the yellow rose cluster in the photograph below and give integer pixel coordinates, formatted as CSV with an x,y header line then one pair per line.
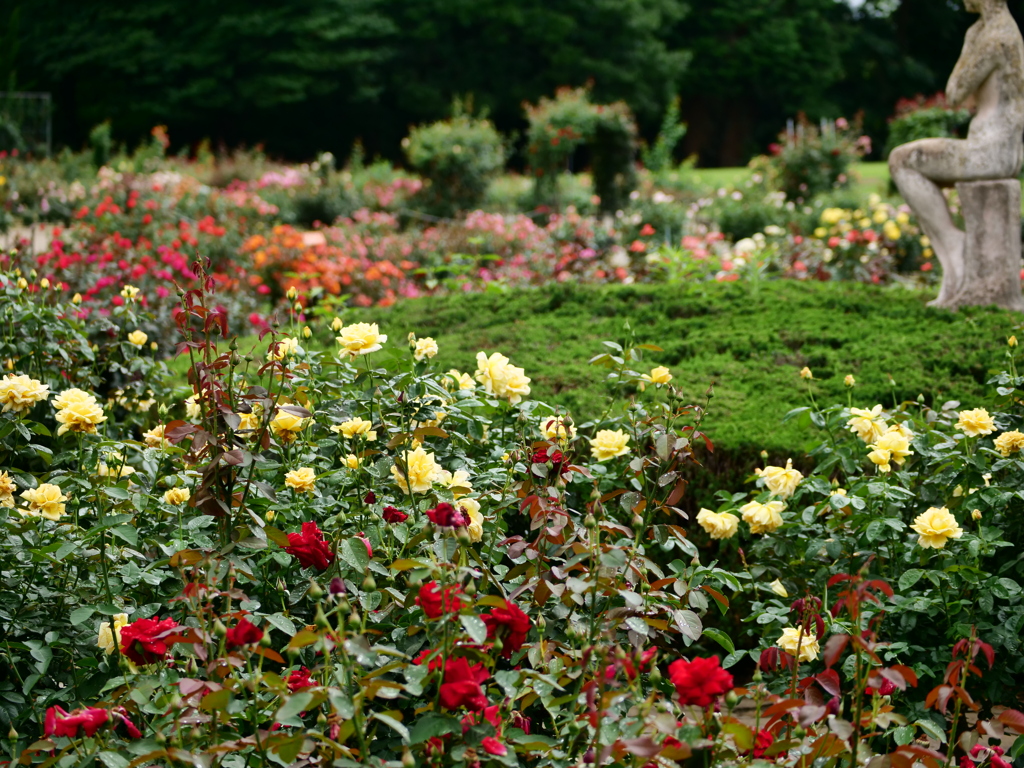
x,y
798,644
424,349
868,425
7,489
302,480
78,412
286,425
719,525
763,518
500,378
19,393
286,347
891,447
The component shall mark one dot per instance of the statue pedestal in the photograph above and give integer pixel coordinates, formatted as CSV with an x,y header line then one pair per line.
x,y
992,248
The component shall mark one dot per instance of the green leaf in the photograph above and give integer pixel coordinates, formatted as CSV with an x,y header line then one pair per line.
x,y
127,533
80,614
689,624
353,551
281,622
66,549
277,536
289,713
904,734
637,624
475,627
113,760
216,701
721,638
116,492
933,730
432,724
910,578
389,721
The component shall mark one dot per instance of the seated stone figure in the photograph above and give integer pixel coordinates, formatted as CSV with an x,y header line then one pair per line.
x,y
991,68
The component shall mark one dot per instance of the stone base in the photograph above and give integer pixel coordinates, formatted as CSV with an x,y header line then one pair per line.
x,y
992,248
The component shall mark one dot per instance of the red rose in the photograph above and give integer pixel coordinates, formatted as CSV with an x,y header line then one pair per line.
x,y
299,679
461,686
121,714
393,515
432,602
513,624
761,744
60,723
647,231
362,537
555,456
244,633
447,516
494,747
886,688
143,641
699,682
310,547
629,668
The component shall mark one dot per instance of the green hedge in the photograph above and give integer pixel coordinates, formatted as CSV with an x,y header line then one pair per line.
x,y
749,341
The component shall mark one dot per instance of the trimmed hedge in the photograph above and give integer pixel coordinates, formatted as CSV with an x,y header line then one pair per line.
x,y
750,341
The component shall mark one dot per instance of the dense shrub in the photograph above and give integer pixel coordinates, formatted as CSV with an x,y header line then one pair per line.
x,y
922,118
561,125
458,158
813,161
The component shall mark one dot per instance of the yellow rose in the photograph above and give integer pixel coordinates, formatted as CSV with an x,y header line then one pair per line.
x,y
821,233
70,396
557,428
138,338
763,518
361,338
292,293
457,482
356,427
781,482
976,423
849,380
894,445
869,425
425,349
286,347
475,529
454,380
176,496
155,437
193,410
658,376
804,647
45,501
108,636
7,489
500,378
778,589
286,426
20,393
805,373
423,472
129,292
892,230
1012,341
76,299
936,526
903,218
303,480
352,461
607,444
80,416
881,216
1009,442
719,525
976,514
337,324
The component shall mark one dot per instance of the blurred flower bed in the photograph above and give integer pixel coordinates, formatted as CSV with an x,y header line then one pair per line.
x,y
358,235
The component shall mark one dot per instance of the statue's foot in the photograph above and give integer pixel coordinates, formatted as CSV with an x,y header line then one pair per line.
x,y
951,257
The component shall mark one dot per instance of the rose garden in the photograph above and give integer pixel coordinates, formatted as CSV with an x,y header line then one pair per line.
x,y
465,459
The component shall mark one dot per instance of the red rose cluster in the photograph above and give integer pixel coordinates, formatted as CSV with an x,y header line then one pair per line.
x,y
145,641
394,515
699,682
461,686
244,633
88,720
310,547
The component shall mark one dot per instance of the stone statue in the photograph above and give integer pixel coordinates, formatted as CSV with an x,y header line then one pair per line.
x,y
981,265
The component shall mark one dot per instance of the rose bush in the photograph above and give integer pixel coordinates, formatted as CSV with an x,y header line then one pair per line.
x,y
463,575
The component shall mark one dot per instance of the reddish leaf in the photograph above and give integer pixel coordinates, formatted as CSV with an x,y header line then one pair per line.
x,y
782,707
268,653
829,680
1011,718
834,648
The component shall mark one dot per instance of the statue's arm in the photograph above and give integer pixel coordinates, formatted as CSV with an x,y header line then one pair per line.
x,y
975,65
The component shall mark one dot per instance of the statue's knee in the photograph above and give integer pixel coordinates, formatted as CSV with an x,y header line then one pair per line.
x,y
899,158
